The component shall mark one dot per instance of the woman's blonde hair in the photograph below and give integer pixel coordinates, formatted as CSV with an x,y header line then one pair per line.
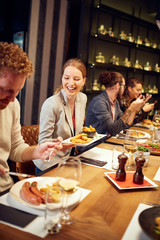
x,y
77,63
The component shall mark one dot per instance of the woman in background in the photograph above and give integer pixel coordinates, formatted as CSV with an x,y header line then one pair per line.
x,y
63,113
132,91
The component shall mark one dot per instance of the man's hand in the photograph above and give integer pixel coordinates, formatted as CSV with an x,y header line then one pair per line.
x,y
43,150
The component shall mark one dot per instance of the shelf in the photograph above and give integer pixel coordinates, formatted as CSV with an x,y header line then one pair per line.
x,y
125,43
128,17
112,67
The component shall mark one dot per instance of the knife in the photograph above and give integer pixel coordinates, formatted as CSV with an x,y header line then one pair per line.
x,y
25,175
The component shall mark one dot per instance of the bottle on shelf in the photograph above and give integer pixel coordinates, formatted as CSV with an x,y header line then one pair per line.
x,y
95,85
157,68
154,45
110,32
150,89
113,59
130,38
147,67
137,65
102,30
100,58
126,62
122,35
117,61
102,88
139,40
155,89
146,42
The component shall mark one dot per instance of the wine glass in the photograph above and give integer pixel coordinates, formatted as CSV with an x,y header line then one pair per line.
x,y
156,118
69,177
131,146
156,126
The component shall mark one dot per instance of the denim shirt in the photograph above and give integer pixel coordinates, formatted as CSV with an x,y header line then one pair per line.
x,y
99,115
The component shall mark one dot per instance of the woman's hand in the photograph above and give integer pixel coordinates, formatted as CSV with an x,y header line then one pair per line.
x,y
66,146
149,106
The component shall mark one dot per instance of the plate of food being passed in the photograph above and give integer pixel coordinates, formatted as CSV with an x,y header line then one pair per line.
x,y
137,134
85,138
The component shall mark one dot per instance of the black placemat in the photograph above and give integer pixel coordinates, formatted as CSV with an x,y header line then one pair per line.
x,y
15,216
93,161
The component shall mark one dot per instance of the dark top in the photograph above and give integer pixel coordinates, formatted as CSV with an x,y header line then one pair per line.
x,y
99,115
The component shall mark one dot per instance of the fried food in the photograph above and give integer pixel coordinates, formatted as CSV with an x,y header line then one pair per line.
x,y
88,129
81,138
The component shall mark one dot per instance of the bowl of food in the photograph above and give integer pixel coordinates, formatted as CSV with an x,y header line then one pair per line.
x,y
90,131
147,122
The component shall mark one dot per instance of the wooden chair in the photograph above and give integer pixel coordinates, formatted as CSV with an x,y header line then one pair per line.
x,y
30,135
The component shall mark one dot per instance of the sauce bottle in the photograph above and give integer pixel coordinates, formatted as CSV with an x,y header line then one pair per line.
x,y
138,176
121,173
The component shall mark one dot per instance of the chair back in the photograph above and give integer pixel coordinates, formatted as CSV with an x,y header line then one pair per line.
x,y
30,135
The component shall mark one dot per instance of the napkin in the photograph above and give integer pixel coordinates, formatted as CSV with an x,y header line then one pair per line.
x,y
98,154
36,226
134,230
157,176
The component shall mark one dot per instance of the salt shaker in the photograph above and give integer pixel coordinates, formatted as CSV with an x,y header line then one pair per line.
x,y
121,174
138,175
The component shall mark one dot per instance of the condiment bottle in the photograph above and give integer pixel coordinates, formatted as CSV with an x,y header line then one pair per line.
x,y
138,175
121,174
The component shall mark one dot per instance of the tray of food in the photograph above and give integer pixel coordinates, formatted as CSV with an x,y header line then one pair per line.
x,y
154,148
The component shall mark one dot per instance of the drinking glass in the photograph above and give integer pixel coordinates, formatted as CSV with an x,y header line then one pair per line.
x,y
54,208
156,118
69,175
130,145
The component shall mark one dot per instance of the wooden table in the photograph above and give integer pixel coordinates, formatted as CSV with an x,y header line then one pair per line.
x,y
106,212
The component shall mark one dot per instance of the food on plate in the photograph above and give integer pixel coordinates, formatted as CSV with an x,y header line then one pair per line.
x,y
36,191
88,129
69,184
147,122
157,226
28,195
137,134
81,138
153,147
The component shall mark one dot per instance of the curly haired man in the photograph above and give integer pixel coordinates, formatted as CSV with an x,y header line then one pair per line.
x,y
15,66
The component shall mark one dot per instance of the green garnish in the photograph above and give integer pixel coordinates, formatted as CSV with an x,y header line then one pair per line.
x,y
143,149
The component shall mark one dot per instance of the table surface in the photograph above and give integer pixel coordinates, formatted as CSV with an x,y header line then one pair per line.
x,y
106,212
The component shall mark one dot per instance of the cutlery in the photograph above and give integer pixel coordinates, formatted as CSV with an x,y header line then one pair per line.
x,y
93,162
25,175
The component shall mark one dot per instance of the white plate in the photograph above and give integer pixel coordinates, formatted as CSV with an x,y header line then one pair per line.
x,y
146,135
42,181
95,138
140,186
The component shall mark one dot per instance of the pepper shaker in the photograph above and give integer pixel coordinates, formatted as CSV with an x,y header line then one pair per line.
x,y
138,176
121,173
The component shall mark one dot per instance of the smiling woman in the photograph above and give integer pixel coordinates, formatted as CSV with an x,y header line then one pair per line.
x,y
63,113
